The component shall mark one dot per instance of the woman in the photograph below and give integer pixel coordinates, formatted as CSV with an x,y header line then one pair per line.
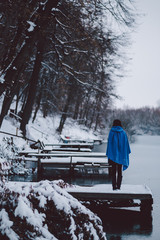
x,y
118,151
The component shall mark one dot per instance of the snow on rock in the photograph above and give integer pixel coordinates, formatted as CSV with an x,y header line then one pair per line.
x,y
44,210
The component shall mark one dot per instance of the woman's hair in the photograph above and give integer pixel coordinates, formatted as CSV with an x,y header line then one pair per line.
x,y
117,122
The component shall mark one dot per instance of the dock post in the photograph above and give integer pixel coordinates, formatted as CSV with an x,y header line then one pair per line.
x,y
71,167
110,168
146,207
39,169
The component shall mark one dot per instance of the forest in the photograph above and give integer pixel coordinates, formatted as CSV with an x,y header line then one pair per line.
x,y
144,120
62,57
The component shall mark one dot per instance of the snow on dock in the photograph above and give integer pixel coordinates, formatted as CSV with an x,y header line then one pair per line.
x,y
126,197
104,191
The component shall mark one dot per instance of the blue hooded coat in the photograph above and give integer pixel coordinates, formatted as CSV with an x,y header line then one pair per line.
x,y
118,148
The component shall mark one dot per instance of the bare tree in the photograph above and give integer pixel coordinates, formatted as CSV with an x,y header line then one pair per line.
x,y
70,41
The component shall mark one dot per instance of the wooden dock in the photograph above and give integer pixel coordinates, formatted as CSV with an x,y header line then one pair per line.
x,y
73,162
59,147
53,151
80,164
128,196
68,154
52,146
69,145
64,149
68,139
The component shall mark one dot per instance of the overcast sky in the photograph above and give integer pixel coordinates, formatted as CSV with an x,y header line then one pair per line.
x,y
142,86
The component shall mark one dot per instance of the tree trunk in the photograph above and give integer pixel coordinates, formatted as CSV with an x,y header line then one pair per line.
x,y
12,50
37,106
15,68
77,106
17,101
66,107
93,115
86,108
5,107
98,109
43,22
97,121
32,88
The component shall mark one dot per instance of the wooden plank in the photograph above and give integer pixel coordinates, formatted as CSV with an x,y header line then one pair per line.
x,y
75,165
61,153
52,150
70,140
74,160
98,141
91,166
25,153
86,145
69,154
66,149
29,159
42,153
105,192
108,196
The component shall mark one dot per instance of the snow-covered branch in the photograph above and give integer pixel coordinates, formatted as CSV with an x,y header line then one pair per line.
x,y
39,211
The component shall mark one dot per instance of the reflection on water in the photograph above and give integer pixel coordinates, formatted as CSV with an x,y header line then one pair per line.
x,y
24,178
123,223
118,223
83,180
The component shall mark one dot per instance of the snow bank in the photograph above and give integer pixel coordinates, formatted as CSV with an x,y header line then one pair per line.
x,y
43,129
44,210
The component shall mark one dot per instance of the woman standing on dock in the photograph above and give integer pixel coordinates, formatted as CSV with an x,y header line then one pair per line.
x,y
118,151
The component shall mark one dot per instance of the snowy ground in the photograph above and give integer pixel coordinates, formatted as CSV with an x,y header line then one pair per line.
x,y
45,210
43,129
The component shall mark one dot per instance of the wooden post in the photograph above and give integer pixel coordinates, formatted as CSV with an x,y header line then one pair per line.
x,y
110,168
16,131
71,167
39,169
146,207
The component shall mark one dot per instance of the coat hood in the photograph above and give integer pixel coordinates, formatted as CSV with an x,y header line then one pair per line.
x,y
117,129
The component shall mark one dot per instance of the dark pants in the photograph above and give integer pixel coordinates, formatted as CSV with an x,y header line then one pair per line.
x,y
116,175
